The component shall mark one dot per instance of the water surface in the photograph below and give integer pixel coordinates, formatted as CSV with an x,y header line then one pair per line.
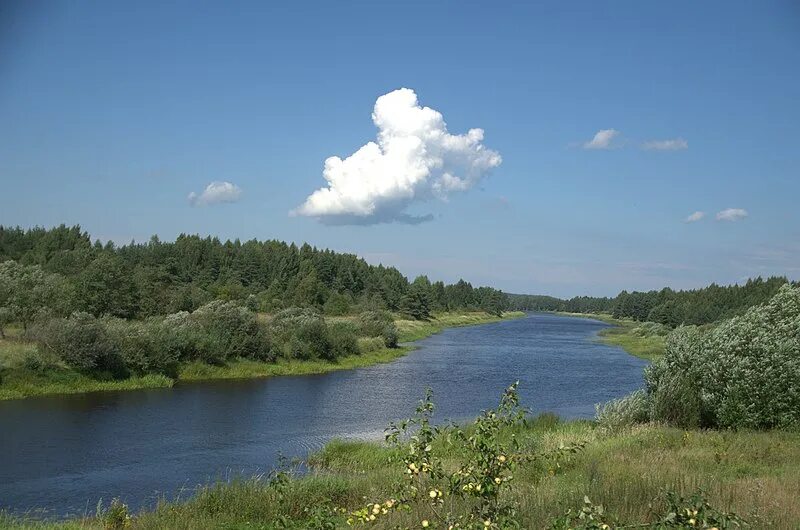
x,y
63,453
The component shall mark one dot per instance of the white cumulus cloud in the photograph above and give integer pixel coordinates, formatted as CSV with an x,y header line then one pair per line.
x,y
414,158
732,214
215,193
602,139
696,216
674,144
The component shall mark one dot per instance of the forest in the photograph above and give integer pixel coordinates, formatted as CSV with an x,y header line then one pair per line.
x,y
145,279
667,306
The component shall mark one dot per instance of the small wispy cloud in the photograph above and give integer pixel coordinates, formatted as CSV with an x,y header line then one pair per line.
x,y
732,214
602,139
674,144
215,193
696,216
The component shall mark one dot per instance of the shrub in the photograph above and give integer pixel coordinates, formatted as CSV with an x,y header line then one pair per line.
x,y
228,331
82,341
379,324
300,333
480,477
343,339
180,334
745,373
116,517
144,346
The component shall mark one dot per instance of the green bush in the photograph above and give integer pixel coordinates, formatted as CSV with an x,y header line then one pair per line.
x,y
82,341
343,339
229,331
180,335
144,346
744,373
379,324
300,333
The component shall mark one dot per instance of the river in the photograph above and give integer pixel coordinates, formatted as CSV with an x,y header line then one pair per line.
x,y
62,453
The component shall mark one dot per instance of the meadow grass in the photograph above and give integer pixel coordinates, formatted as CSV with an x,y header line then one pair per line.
x,y
754,474
411,330
650,347
19,378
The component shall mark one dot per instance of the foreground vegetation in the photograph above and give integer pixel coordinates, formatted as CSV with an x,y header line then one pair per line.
x,y
28,368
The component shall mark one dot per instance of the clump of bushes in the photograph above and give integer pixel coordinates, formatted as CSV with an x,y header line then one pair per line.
x,y
744,373
300,333
343,339
230,331
83,342
215,333
379,324
143,347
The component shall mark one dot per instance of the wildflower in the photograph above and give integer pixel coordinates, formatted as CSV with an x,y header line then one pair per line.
x,y
691,522
371,517
432,494
497,480
502,458
425,523
487,523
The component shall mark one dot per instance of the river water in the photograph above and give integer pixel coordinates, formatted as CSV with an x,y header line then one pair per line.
x,y
61,454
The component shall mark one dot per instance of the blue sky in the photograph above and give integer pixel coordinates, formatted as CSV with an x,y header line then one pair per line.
x,y
111,114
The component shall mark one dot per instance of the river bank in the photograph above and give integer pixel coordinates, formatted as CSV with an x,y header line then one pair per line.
x,y
636,338
19,380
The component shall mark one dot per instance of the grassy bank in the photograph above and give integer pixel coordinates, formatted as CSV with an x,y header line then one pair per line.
x,y
754,474
411,330
19,378
635,338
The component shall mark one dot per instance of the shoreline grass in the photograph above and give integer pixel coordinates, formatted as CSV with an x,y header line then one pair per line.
x,y
754,474
625,334
18,381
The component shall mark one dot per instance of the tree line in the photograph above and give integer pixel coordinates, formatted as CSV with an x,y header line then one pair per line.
x,y
667,306
61,270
